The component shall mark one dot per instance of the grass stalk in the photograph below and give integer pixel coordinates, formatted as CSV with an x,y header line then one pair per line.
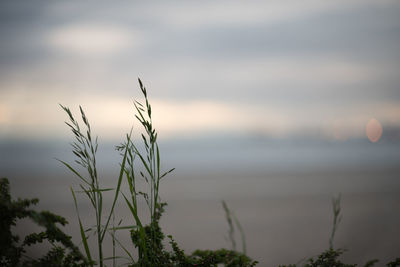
x,y
85,148
336,218
232,221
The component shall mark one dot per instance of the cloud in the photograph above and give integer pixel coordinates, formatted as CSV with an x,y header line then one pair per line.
x,y
112,116
93,39
193,15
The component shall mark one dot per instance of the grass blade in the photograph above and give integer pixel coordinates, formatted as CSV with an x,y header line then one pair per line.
x,y
121,174
158,162
74,171
83,236
123,227
171,170
95,190
124,248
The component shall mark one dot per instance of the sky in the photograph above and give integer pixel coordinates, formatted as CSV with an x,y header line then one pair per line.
x,y
275,69
253,101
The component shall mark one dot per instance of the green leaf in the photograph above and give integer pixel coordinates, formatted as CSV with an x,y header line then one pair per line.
x,y
158,162
134,212
123,247
83,236
121,174
171,170
95,190
123,227
74,171
143,161
86,191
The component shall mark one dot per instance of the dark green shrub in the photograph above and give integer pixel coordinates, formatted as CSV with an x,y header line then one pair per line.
x,y
12,252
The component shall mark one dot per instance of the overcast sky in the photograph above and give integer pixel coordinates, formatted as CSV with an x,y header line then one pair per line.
x,y
276,68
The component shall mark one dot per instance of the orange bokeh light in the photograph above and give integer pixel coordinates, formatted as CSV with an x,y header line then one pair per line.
x,y
373,130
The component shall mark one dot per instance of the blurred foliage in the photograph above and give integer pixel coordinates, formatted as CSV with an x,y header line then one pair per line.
x,y
159,256
13,253
330,258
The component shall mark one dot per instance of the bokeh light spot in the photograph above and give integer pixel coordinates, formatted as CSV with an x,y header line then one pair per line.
x,y
374,130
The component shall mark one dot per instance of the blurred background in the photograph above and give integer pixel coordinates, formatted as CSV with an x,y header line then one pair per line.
x,y
273,106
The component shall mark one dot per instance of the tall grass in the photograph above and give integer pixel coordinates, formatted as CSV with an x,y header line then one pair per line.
x,y
142,163
147,238
84,148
